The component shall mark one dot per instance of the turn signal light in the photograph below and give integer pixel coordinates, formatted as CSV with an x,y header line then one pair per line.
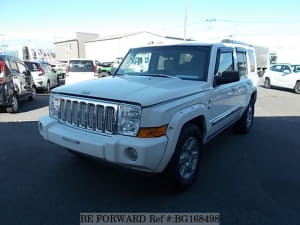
x,y
152,132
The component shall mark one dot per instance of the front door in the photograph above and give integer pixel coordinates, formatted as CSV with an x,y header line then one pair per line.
x,y
224,100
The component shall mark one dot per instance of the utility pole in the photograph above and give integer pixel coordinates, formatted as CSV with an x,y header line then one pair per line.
x,y
185,19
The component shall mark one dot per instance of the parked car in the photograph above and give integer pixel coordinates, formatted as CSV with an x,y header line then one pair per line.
x,y
60,69
283,75
103,68
44,76
155,117
296,68
16,83
78,70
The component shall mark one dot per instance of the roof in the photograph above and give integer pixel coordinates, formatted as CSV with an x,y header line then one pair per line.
x,y
60,42
119,36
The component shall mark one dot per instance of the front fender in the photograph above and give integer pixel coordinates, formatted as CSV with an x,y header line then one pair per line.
x,y
176,123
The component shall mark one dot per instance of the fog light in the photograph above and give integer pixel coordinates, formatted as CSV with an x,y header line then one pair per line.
x,y
131,153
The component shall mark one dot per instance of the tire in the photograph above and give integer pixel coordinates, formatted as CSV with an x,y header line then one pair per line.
x,y
104,74
267,83
48,87
184,165
14,105
32,97
297,87
245,123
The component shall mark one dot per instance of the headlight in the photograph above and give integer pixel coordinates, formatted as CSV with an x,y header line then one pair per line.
x,y
53,106
129,118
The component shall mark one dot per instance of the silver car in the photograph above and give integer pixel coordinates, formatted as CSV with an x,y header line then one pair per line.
x,y
44,76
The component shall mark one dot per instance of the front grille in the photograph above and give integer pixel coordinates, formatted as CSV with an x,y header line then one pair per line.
x,y
88,114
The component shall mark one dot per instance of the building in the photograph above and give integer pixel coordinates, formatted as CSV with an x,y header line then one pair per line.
x,y
107,49
73,48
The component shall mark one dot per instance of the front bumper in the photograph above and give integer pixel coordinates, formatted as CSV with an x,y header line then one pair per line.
x,y
112,148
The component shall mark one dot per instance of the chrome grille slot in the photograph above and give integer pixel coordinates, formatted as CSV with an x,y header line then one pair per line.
x,y
68,111
92,115
109,119
82,114
62,110
74,114
100,117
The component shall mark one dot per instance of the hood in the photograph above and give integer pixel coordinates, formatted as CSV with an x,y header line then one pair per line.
x,y
144,90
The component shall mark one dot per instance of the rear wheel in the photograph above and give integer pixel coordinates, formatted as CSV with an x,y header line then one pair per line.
x,y
48,87
14,105
267,83
245,123
33,94
184,165
297,87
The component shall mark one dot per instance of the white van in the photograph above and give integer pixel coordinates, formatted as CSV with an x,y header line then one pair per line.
x,y
78,70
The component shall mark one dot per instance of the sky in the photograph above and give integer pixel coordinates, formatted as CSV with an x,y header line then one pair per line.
x,y
44,22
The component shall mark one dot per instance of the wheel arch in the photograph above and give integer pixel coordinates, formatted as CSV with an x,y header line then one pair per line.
x,y
253,96
195,114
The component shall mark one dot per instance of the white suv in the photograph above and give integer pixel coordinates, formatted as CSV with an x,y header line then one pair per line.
x,y
78,70
155,117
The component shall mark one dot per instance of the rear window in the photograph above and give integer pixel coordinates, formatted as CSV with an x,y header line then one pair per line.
x,y
81,66
32,66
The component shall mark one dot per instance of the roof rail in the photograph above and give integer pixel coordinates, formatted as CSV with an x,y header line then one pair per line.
x,y
235,42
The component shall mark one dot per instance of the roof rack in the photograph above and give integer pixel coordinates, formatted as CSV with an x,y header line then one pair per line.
x,y
235,42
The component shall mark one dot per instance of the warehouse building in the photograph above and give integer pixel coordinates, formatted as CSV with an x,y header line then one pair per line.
x,y
73,48
107,49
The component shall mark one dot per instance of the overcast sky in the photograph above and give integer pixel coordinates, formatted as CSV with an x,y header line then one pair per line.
x,y
48,21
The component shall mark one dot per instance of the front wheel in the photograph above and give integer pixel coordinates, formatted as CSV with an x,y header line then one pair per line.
x,y
297,87
184,165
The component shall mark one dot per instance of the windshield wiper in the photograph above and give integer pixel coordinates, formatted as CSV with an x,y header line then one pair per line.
x,y
162,75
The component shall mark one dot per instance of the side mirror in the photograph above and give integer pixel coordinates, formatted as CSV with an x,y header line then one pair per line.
x,y
227,77
287,71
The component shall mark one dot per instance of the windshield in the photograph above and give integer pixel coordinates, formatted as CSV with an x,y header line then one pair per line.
x,y
32,66
81,66
185,62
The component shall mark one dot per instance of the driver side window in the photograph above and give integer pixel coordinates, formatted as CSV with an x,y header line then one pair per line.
x,y
224,62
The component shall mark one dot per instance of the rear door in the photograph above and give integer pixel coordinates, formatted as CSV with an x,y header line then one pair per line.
x,y
275,74
286,78
246,77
